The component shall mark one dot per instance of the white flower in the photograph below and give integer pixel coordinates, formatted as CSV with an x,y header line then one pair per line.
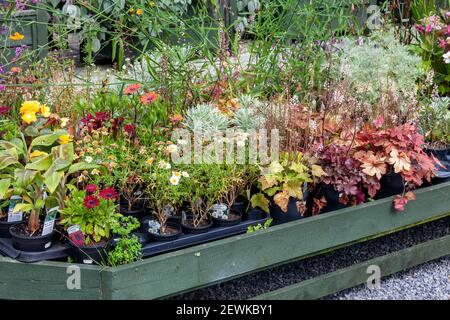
x,y
447,57
185,174
182,142
88,159
95,172
172,148
176,173
174,180
64,122
164,165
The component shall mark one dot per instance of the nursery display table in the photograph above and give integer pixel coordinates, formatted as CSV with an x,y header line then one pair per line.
x,y
218,261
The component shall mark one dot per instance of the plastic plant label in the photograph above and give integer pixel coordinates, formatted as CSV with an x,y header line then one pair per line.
x,y
76,235
86,261
14,216
49,222
48,245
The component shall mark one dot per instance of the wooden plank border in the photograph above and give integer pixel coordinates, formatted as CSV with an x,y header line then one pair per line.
x,y
218,261
210,263
354,275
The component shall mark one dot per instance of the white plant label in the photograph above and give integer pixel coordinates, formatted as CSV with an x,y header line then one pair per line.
x,y
49,222
14,216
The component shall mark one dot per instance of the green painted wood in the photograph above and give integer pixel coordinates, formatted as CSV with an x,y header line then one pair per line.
x,y
46,280
33,25
357,274
225,259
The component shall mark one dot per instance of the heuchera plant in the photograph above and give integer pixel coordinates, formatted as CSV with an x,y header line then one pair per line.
x,y
284,180
398,150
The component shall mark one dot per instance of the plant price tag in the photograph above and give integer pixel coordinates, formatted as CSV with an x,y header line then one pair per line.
x,y
49,222
14,216
76,235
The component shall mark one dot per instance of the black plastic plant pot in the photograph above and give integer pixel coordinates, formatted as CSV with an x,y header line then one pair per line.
x,y
188,227
4,228
439,153
279,216
236,219
134,212
166,237
391,184
26,243
255,214
91,254
240,205
332,198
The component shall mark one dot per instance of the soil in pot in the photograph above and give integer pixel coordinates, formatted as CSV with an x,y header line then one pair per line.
x,y
136,211
189,228
171,232
234,218
24,241
96,253
255,214
292,214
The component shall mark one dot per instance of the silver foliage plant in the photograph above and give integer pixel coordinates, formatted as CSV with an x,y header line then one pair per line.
x,y
205,118
376,65
250,114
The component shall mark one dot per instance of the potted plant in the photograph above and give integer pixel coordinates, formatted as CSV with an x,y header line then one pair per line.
x,y
126,248
207,186
165,193
435,123
94,211
284,183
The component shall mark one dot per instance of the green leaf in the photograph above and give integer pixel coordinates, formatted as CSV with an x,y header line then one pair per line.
x,y
8,157
52,179
80,166
41,163
64,151
4,187
23,207
47,140
259,200
24,177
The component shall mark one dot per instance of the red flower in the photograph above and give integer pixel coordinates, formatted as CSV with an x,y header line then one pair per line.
x,y
4,110
91,188
91,202
129,128
176,118
108,194
149,98
102,116
132,89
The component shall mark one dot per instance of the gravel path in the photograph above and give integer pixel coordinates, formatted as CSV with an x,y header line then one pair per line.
x,y
429,281
254,284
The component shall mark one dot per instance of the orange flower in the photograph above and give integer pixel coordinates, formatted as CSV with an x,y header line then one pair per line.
x,y
149,98
139,12
16,70
132,89
176,118
16,36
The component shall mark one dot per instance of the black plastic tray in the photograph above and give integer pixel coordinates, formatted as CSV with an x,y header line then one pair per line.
x,y
56,251
187,240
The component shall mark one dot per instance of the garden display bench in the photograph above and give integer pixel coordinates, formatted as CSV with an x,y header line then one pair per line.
x,y
202,265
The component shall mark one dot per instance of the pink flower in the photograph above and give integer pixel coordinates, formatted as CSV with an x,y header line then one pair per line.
x,y
108,194
132,89
91,202
129,129
428,29
442,43
4,110
91,188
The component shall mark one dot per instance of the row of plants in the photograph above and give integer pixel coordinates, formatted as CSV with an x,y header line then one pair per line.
x,y
108,168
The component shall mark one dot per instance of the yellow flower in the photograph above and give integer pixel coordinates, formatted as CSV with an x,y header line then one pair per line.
x,y
152,4
111,157
131,10
29,117
95,172
139,12
37,153
45,111
64,139
16,36
150,161
176,174
30,107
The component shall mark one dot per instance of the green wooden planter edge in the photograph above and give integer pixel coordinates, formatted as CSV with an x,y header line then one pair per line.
x,y
357,274
221,260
